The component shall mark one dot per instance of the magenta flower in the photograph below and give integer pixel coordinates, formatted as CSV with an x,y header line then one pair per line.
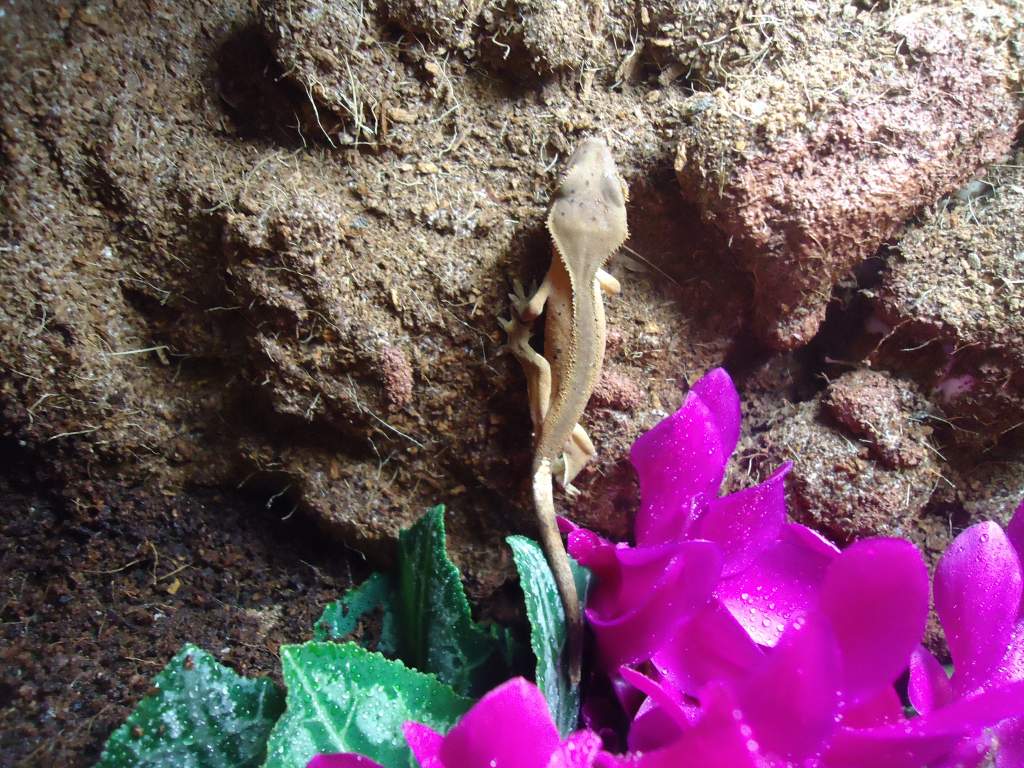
x,y
511,726
735,612
738,640
727,572
834,663
824,697
978,596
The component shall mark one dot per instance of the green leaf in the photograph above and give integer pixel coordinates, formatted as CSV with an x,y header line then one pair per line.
x,y
436,629
203,716
343,698
547,627
341,618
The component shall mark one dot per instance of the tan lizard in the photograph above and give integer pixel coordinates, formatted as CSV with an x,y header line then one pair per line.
x,y
587,223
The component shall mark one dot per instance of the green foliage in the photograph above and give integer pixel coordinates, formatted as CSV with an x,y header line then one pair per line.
x,y
341,618
203,715
438,633
348,698
547,628
425,616
343,698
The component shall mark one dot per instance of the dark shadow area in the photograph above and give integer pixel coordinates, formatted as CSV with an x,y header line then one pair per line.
x,y
261,103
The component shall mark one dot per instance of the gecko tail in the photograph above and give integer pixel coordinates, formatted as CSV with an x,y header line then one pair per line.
x,y
558,560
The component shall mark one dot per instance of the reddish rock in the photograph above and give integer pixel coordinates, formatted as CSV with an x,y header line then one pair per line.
x,y
883,412
396,372
839,483
617,392
812,161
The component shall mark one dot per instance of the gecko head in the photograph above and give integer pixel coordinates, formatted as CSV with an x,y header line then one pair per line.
x,y
587,220
591,170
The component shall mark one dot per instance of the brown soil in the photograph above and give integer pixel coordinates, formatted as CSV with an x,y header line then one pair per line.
x,y
103,585
952,303
253,256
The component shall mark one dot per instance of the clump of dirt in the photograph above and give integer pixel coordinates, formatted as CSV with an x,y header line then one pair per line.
x,y
951,304
884,414
863,462
811,153
450,23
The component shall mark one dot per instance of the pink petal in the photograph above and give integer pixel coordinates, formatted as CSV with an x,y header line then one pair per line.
x,y
1010,735
746,523
681,461
1015,533
929,687
711,646
883,708
664,696
969,752
580,750
652,728
977,597
719,394
604,760
790,701
425,744
510,726
652,596
1011,667
876,597
922,740
780,584
342,760
718,739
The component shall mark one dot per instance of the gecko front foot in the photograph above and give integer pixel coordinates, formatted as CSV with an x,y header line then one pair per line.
x,y
521,299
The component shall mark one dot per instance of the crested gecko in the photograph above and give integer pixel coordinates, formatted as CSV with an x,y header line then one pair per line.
x,y
587,223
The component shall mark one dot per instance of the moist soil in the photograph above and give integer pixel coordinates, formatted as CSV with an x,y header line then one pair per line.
x,y
102,588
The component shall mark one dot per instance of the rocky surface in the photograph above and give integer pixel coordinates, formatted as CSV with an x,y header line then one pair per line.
x,y
276,260
813,149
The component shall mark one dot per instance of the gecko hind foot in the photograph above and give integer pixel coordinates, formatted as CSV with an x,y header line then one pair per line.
x,y
519,333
